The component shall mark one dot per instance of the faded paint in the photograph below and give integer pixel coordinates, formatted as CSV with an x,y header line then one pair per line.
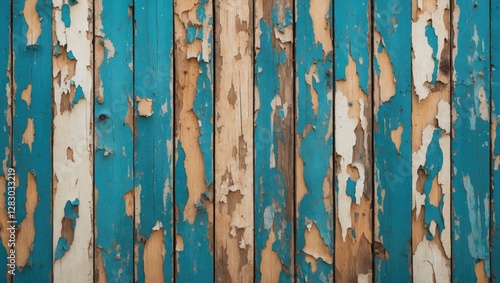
x,y
274,147
314,138
495,140
153,150
471,131
234,142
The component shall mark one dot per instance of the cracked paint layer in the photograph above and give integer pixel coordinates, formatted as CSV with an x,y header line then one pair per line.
x,y
32,124
353,141
73,128
471,133
314,135
5,130
234,225
153,81
274,141
495,144
392,100
114,145
194,133
431,152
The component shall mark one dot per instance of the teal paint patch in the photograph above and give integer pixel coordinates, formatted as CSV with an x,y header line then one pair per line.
x,y
392,167
114,155
273,192
78,96
65,15
470,177
70,214
153,62
191,34
316,146
72,2
61,248
32,65
495,117
70,56
432,40
351,189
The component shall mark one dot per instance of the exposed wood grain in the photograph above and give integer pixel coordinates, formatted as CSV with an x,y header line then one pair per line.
x,y
392,140
471,134
234,224
114,129
153,72
274,141
5,134
73,131
431,166
495,140
314,140
353,142
194,146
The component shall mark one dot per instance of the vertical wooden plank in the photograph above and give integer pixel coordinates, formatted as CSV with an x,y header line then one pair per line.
x,y
32,132
471,134
495,144
194,140
274,141
353,141
314,140
153,77
431,166
392,137
72,65
7,177
113,116
234,224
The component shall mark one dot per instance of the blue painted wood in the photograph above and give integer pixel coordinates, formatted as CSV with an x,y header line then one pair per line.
x,y
32,131
194,179
113,175
5,129
274,142
314,142
153,74
495,134
392,55
471,141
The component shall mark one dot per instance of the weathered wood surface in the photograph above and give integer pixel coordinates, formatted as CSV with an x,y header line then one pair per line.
x,y
32,131
250,140
353,142
274,141
392,140
153,151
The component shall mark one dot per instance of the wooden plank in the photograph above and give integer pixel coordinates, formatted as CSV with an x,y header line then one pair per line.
x,y
495,140
153,72
274,141
471,134
234,224
392,140
194,140
431,167
314,141
114,145
7,177
353,142
32,132
72,141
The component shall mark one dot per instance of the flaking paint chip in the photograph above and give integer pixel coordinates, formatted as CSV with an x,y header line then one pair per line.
x,y
145,107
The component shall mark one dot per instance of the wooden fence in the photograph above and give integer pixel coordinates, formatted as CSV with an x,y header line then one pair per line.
x,y
249,140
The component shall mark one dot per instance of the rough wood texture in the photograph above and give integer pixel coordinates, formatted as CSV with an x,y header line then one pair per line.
x,y
194,136
471,134
73,98
274,141
153,152
5,132
392,140
114,152
431,166
314,140
234,225
32,131
353,142
495,140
